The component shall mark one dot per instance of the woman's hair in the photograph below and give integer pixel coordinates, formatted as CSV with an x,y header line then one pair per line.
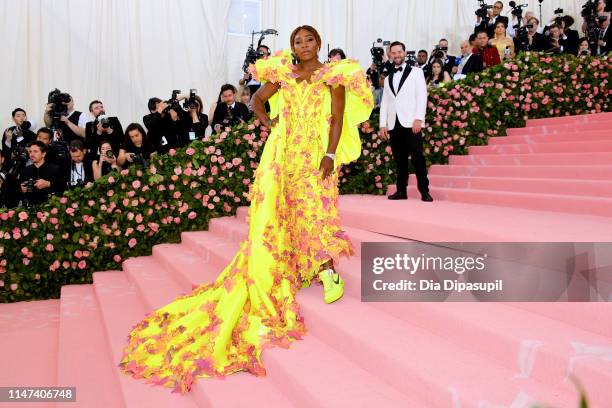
x,y
502,23
127,142
441,74
308,28
199,100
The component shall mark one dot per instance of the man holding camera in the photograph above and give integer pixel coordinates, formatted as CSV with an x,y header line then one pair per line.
x,y
604,41
102,128
441,52
402,111
493,16
247,79
229,112
71,123
534,41
40,179
81,169
16,138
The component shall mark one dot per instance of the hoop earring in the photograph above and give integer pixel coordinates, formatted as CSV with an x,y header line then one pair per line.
x,y
295,60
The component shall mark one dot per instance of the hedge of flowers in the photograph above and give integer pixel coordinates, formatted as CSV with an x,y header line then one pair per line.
x,y
125,214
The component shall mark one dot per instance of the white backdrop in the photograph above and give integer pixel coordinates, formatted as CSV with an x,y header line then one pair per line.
x,y
125,51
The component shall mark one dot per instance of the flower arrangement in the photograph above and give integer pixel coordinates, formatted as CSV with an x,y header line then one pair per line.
x,y
125,214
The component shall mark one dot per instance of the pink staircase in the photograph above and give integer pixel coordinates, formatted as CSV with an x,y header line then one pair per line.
x,y
560,164
355,354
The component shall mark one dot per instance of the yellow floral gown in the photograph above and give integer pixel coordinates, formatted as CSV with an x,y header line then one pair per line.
x,y
294,227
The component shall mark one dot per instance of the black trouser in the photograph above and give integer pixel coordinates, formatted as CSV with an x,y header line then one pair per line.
x,y
403,144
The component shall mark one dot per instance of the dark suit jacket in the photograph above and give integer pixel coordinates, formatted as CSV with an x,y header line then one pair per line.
x,y
240,111
474,64
570,44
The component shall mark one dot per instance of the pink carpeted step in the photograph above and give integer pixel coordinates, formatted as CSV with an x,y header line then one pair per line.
x,y
304,380
602,172
593,146
542,159
84,357
601,135
598,206
122,308
593,188
533,346
561,128
29,344
588,118
158,288
375,355
575,314
445,221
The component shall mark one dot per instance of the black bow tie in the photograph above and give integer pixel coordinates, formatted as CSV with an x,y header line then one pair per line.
x,y
398,69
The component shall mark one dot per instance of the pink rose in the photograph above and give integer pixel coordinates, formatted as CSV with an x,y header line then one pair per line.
x,y
192,215
13,286
136,184
23,216
117,258
132,242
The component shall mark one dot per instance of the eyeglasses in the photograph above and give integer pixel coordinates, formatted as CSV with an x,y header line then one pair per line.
x,y
497,7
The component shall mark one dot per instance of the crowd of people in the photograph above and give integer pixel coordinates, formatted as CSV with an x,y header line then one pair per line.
x,y
76,148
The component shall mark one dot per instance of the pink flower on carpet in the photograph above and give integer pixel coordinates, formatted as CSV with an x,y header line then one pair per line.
x,y
132,242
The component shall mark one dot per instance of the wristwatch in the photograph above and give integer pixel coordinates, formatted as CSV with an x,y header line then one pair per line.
x,y
331,156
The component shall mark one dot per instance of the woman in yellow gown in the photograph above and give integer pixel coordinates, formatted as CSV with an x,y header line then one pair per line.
x,y
295,233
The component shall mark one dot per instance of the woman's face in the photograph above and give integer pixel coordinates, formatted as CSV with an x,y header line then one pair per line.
x,y
436,68
246,98
135,137
105,148
500,29
305,45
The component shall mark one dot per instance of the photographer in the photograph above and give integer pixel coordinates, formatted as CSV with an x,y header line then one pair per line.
x,y
156,121
61,114
136,148
570,37
81,166
440,52
9,187
229,112
555,42
102,128
105,162
492,17
247,79
532,40
584,48
40,179
195,127
16,138
604,41
336,54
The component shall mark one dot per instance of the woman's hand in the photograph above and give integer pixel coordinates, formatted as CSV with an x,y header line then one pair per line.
x,y
327,167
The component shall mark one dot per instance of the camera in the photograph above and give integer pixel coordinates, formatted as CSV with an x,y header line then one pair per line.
x,y
253,54
30,185
60,102
139,159
378,51
109,154
191,103
411,60
104,121
439,52
592,20
173,102
584,53
482,10
517,10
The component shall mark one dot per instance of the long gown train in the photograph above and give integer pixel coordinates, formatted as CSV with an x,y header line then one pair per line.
x,y
222,327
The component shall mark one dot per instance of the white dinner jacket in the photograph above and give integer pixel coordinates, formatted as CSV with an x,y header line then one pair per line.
x,y
407,103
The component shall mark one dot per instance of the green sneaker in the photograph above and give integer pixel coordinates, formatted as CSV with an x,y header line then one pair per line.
x,y
333,285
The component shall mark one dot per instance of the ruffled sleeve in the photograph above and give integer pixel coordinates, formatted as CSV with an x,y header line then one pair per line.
x,y
359,102
276,69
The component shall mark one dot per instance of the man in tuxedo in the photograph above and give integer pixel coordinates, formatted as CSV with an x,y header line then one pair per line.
x,y
604,41
229,112
402,113
469,62
494,17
